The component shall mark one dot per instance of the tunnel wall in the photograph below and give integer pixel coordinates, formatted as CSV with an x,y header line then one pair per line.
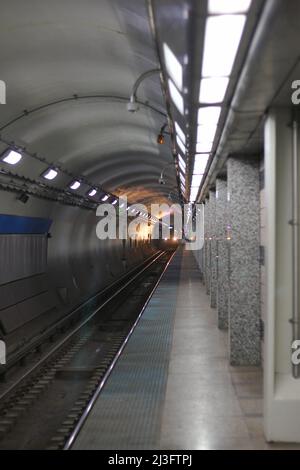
x,y
61,271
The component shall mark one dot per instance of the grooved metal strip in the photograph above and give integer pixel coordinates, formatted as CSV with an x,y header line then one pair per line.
x,y
128,413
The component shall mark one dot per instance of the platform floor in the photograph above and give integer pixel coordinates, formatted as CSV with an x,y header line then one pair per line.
x,y
173,387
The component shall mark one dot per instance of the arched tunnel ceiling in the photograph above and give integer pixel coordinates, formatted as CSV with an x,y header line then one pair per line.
x,y
54,50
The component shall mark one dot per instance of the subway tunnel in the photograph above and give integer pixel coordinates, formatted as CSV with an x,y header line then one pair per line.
x,y
149,225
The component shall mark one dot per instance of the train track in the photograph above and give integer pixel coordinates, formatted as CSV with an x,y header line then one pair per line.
x,y
47,406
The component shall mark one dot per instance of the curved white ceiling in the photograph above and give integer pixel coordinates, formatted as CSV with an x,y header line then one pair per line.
x,y
54,50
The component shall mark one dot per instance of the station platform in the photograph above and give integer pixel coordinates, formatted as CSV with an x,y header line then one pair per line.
x,y
173,387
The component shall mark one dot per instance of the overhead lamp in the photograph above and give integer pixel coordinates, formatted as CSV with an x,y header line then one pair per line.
x,y
222,37
206,133
173,66
204,147
180,133
50,174
92,192
75,185
105,198
12,157
114,202
180,144
122,205
196,180
176,97
225,7
181,161
209,115
161,137
212,90
200,164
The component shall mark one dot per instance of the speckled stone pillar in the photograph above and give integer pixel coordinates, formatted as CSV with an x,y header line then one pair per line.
x,y
213,249
222,233
244,303
207,245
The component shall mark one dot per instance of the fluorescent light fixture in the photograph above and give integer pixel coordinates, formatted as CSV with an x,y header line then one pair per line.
x,y
206,133
180,133
114,202
225,7
200,164
196,181
209,116
173,66
12,157
193,195
92,192
122,205
182,178
105,198
75,185
50,174
176,97
181,162
204,147
222,38
180,145
212,90
181,168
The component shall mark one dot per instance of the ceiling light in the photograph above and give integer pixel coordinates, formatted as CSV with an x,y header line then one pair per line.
x,y
115,202
180,144
209,115
204,147
222,7
75,185
212,90
11,157
50,174
181,161
182,168
92,192
200,164
160,139
222,37
105,198
173,66
206,133
196,181
180,132
176,97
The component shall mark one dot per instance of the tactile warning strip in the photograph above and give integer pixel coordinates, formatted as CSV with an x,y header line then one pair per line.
x,y
127,415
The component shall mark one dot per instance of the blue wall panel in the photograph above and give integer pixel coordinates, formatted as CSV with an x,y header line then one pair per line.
x,y
14,224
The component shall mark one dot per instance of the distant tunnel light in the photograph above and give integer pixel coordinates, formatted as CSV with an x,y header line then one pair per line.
x,y
173,66
222,37
50,174
75,185
12,157
92,192
180,133
176,97
200,164
105,198
212,90
223,7
209,116
114,202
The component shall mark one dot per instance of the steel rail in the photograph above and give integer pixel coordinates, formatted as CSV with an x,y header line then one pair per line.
x,y
101,385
